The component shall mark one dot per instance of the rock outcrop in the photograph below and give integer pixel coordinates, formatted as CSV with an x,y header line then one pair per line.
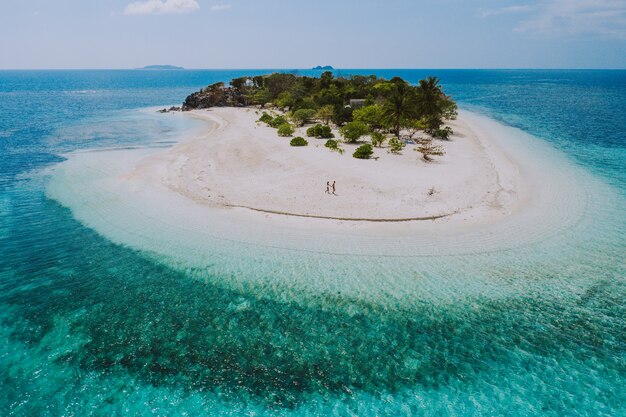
x,y
215,95
171,109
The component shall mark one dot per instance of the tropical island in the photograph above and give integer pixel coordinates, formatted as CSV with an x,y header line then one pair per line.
x,y
390,112
395,151
161,67
325,67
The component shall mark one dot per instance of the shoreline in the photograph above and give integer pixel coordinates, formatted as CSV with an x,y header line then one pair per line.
x,y
109,190
240,163
347,219
298,258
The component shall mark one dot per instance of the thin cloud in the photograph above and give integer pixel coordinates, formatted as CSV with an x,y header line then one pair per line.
x,y
220,7
604,18
504,10
162,7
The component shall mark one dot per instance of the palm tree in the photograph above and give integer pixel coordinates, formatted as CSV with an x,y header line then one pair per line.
x,y
430,94
398,103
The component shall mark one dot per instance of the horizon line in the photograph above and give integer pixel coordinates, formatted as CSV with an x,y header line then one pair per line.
x,y
313,69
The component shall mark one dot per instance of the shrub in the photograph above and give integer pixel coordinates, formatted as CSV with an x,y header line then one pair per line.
x,y
325,113
312,131
432,123
378,139
341,115
285,130
325,132
306,103
333,145
427,149
262,97
363,152
443,133
412,126
352,131
302,116
396,145
298,141
320,131
372,116
285,99
266,118
278,121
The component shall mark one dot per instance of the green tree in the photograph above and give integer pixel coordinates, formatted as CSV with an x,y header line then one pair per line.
x,y
298,141
278,83
320,131
306,102
325,113
333,145
239,83
285,130
300,117
266,118
378,138
285,100
258,81
353,131
373,116
364,151
443,133
433,104
429,97
449,108
325,132
277,121
342,115
312,131
325,79
396,145
261,97
412,126
330,96
399,103
390,104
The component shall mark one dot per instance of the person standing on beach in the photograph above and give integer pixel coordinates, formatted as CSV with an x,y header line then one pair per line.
x,y
334,189
327,187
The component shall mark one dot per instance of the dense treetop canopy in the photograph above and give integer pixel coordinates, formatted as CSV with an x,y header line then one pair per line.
x,y
389,105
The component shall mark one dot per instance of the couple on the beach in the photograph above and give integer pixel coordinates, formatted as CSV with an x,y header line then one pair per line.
x,y
330,186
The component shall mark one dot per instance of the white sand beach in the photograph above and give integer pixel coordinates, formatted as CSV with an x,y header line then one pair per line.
x,y
491,178
241,163
497,189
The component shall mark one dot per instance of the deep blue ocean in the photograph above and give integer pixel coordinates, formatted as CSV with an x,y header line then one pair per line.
x,y
88,327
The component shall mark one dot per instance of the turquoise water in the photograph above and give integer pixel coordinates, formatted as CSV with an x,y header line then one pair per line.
x,y
90,327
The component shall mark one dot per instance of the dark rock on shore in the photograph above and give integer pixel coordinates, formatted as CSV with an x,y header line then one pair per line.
x,y
215,95
171,109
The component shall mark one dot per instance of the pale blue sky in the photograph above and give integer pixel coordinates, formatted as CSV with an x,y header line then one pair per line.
x,y
297,34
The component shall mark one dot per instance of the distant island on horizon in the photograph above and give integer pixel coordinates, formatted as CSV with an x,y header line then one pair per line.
x,y
161,67
326,67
